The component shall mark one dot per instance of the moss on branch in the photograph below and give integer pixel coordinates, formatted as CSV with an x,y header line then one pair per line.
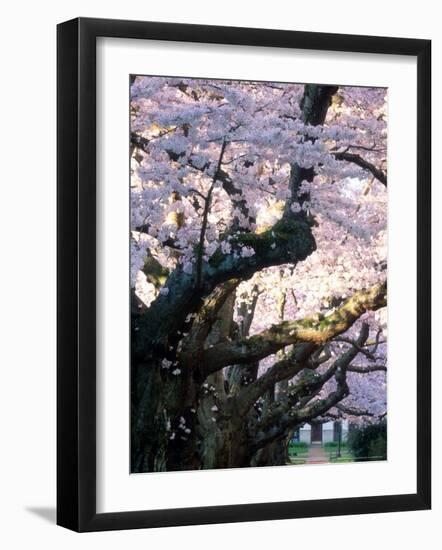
x,y
313,330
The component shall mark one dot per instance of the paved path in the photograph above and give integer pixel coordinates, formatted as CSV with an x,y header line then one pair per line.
x,y
316,455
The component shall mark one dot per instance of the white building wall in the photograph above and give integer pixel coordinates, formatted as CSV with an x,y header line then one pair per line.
x,y
327,432
304,434
344,430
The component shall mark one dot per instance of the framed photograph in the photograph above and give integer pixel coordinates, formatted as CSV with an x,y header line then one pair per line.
x,y
243,274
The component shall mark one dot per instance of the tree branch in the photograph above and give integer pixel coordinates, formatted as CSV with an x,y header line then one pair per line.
x,y
362,163
364,370
290,240
353,411
314,106
289,417
282,370
314,330
361,349
199,259
143,143
203,321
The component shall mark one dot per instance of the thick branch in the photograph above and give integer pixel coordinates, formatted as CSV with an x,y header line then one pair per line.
x,y
293,419
206,317
289,417
314,330
314,106
238,376
289,241
282,370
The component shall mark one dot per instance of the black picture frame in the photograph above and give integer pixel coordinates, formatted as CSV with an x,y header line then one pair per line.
x,y
76,274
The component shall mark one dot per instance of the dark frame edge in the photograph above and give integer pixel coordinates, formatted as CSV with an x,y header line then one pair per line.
x,y
423,175
254,512
67,275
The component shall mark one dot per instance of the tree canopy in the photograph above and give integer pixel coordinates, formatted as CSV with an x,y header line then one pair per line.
x,y
258,266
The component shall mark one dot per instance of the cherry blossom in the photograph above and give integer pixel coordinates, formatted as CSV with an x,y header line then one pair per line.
x,y
265,203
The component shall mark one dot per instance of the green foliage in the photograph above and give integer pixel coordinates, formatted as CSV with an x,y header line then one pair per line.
x,y
333,445
298,452
369,442
297,448
345,457
299,445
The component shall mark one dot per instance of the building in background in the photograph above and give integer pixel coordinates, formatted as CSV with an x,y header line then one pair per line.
x,y
322,432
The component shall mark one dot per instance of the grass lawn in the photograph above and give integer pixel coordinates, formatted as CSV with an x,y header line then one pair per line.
x,y
332,448
298,452
345,457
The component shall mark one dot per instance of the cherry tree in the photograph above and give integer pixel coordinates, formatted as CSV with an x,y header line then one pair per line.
x,y
258,266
